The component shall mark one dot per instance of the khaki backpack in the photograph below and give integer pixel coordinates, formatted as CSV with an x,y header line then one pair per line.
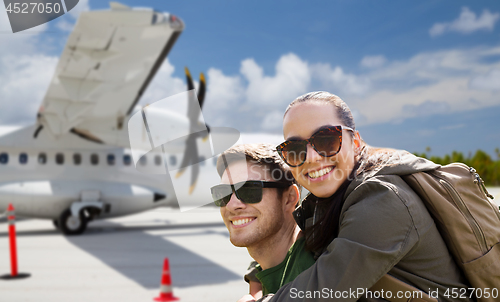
x,y
468,222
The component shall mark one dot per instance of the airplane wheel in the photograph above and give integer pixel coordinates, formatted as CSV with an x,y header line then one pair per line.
x,y
56,223
71,225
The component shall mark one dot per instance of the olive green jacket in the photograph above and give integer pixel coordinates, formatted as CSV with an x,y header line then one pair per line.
x,y
384,228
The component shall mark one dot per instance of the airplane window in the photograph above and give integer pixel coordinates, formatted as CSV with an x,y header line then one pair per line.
x,y
111,159
77,158
42,158
173,160
4,158
127,160
143,160
158,160
202,160
23,158
60,158
94,159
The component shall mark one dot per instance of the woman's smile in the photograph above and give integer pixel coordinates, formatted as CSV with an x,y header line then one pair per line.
x,y
321,174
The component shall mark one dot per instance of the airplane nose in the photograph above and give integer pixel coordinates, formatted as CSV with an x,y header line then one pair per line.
x,y
158,197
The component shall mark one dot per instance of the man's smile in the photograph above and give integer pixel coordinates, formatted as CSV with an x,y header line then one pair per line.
x,y
242,221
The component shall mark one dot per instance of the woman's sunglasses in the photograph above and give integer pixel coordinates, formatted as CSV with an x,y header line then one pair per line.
x,y
249,191
327,142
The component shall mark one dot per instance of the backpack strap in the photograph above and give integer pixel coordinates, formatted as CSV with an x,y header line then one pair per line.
x,y
389,283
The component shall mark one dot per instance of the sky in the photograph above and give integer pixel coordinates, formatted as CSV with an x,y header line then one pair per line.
x,y
415,74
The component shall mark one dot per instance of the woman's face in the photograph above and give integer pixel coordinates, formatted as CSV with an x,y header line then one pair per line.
x,y
301,122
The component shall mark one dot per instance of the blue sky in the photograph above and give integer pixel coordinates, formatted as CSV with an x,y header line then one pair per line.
x,y
415,73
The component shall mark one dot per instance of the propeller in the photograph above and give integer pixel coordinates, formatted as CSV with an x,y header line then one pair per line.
x,y
191,156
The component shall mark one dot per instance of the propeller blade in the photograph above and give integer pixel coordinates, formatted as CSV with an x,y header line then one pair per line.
x,y
195,170
189,79
193,112
190,154
201,90
190,158
180,172
201,99
205,138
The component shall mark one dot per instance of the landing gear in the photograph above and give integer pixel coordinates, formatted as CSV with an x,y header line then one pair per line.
x,y
56,224
71,225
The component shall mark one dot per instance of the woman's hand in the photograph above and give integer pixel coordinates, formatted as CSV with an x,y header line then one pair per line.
x,y
255,289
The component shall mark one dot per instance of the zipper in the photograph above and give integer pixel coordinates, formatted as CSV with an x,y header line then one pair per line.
x,y
479,181
468,216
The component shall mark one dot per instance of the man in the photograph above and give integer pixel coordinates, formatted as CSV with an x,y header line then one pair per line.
x,y
257,196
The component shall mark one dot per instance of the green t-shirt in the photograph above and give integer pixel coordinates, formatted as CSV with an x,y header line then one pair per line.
x,y
296,261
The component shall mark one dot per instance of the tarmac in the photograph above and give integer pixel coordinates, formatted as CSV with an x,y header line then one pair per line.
x,y
122,259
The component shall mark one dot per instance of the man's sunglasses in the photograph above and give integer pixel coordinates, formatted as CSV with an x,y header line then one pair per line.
x,y
249,191
327,142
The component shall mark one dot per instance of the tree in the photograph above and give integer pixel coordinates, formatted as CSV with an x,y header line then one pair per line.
x,y
488,169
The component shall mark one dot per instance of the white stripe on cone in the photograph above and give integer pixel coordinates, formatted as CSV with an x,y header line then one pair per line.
x,y
165,289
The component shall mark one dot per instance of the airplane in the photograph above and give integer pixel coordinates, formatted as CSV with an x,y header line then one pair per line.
x,y
75,164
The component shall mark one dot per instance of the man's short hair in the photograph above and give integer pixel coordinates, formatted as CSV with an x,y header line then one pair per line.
x,y
258,154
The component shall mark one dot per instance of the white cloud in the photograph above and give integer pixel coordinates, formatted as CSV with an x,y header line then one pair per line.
x,y
4,21
25,73
443,81
291,79
385,105
373,61
82,6
273,120
426,108
466,23
251,100
225,90
25,80
488,81
455,80
224,95
438,29
68,21
244,100
259,138
163,85
65,25
335,79
20,43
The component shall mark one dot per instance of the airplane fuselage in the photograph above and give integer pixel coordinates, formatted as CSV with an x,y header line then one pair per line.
x,y
42,177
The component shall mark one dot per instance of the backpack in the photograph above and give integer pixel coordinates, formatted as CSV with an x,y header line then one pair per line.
x,y
468,221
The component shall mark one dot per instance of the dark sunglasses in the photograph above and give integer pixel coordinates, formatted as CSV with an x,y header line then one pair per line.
x,y
327,141
247,191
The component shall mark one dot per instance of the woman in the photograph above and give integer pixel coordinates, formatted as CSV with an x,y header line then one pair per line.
x,y
361,219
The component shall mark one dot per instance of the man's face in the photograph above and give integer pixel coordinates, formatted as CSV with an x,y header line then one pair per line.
x,y
252,224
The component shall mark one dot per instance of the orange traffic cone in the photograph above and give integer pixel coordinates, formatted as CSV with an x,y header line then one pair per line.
x,y
166,292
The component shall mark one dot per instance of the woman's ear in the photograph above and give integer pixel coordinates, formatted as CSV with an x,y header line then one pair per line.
x,y
357,139
358,142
